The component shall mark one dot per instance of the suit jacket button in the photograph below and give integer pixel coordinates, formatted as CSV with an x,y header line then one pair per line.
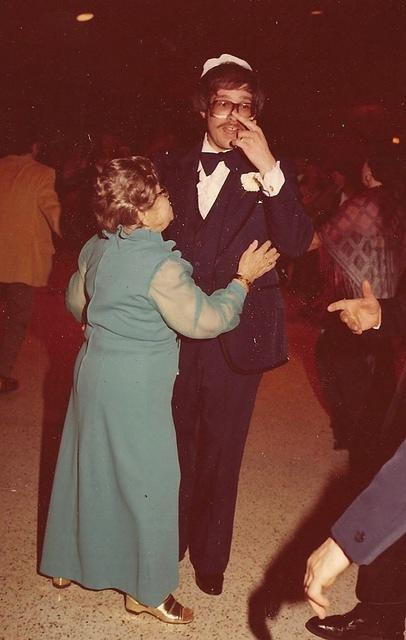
x,y
359,536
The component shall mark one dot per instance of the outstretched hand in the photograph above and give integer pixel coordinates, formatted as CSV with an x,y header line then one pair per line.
x,y
359,314
322,568
253,143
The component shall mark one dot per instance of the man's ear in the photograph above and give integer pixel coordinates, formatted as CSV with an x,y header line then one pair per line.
x,y
143,217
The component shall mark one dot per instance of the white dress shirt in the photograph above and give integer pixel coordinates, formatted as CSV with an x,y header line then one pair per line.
x,y
208,187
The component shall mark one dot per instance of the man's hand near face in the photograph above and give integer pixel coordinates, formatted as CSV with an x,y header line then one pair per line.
x,y
254,145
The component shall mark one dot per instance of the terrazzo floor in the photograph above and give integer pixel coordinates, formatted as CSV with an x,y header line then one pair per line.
x,y
292,484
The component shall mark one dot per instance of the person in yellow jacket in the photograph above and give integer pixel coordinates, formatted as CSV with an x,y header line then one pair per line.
x,y
29,215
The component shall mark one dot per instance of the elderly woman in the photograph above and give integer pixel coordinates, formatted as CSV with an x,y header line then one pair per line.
x,y
113,520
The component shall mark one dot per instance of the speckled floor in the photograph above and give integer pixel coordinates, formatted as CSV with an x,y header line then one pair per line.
x,y
291,486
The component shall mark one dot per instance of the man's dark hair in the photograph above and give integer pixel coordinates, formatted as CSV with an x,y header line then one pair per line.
x,y
383,165
349,168
386,167
228,75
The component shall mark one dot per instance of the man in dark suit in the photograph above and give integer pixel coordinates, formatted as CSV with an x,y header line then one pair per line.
x,y
226,191
371,529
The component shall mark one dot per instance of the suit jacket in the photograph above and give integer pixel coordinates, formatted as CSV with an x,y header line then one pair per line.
x,y
29,213
394,315
377,517
214,246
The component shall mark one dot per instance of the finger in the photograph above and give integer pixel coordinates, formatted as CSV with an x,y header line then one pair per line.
x,y
354,328
337,306
272,249
353,325
346,317
262,252
252,246
367,289
249,124
247,142
241,142
273,259
315,594
308,577
247,135
265,246
237,144
319,611
351,322
272,254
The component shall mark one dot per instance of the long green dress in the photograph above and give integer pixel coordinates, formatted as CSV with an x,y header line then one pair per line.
x,y
113,520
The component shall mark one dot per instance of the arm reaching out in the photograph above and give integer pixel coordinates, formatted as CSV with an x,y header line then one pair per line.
x,y
193,313
322,568
359,314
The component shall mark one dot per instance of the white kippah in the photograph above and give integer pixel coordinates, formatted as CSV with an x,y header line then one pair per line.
x,y
225,57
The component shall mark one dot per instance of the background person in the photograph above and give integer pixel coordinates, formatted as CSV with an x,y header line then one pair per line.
x,y
113,516
365,239
372,523
29,216
370,532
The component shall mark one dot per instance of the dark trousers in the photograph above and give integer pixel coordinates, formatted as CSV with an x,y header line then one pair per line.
x,y
18,299
212,407
383,582
358,379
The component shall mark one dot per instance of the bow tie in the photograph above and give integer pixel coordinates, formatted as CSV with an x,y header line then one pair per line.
x,y
211,160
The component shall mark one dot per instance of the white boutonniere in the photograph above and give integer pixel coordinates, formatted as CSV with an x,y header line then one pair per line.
x,y
250,181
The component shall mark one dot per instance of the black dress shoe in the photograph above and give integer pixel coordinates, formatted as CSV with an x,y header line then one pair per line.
x,y
210,583
357,624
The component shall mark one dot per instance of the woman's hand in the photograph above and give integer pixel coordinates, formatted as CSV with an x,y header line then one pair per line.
x,y
255,261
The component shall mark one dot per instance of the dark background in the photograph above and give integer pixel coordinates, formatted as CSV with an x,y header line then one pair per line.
x,y
332,79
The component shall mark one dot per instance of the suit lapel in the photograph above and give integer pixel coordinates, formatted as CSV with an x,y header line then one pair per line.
x,y
233,203
238,205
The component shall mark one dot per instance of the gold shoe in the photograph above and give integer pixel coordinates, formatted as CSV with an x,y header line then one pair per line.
x,y
60,583
170,611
